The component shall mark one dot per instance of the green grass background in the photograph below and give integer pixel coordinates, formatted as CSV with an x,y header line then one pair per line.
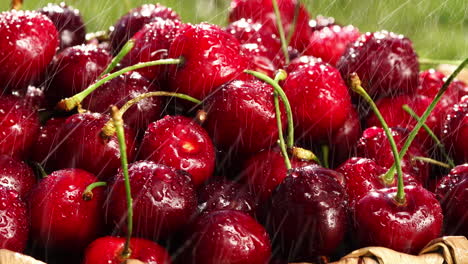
x,y
439,29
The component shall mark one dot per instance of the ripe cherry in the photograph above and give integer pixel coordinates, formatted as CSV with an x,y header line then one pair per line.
x,y
455,128
44,148
343,140
16,175
14,229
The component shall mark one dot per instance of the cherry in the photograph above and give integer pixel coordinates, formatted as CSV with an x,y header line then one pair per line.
x,y
455,127
181,143
386,63
329,43
16,175
69,23
19,126
225,195
60,217
211,58
452,194
265,170
152,42
82,145
44,148
320,22
241,116
164,199
308,204
14,229
256,55
33,97
344,139
430,82
381,221
129,24
374,145
302,61
121,89
234,237
108,250
74,69
28,44
310,90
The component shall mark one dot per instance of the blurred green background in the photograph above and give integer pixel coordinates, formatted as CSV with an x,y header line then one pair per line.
x,y
438,28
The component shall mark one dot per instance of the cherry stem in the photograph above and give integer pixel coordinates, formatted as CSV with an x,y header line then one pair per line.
x,y
279,25
388,177
70,103
118,124
426,61
109,129
304,154
280,75
88,192
428,110
325,156
16,4
432,161
297,8
118,58
431,134
100,35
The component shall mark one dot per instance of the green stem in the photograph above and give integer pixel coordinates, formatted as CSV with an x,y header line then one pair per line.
x,y
432,135
325,156
279,25
282,145
297,8
356,86
88,192
432,161
427,61
429,109
118,124
122,53
108,130
70,103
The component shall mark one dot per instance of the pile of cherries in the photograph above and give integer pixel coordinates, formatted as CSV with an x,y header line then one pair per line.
x,y
207,106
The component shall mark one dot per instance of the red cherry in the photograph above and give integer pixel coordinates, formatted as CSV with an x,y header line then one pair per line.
x,y
450,181
16,175
430,82
302,61
234,237
44,148
310,90
108,250
344,139
28,44
321,22
211,58
380,221
19,126
258,60
455,129
385,62
309,203
81,145
129,24
14,229
69,23
163,199
33,97
241,116
181,143
60,217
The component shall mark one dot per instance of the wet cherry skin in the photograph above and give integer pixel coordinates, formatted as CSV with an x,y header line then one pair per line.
x,y
455,129
108,250
380,221
343,140
44,148
16,175
14,229
28,43
181,143
321,22
163,199
60,217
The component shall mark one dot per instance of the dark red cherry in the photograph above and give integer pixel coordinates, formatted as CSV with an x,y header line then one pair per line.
x,y
164,199
181,143
74,69
108,250
329,43
44,148
363,176
241,116
82,145
16,175
320,22
312,89
450,181
129,24
69,23
152,42
343,140
430,82
374,144
455,129
14,229
264,171
19,126
211,58
302,61
60,217
225,195
33,97
309,203
234,237
122,89
28,43
380,221
386,63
